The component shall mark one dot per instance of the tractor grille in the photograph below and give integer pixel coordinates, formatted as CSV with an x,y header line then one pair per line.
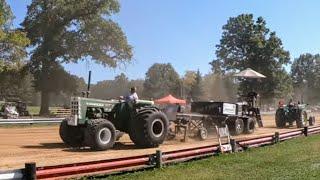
x,y
74,108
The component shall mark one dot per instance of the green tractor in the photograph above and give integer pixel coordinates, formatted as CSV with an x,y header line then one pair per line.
x,y
293,113
99,123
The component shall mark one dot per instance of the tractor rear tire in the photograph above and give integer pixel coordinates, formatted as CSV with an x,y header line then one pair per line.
x,y
101,134
236,127
149,128
280,118
72,136
249,126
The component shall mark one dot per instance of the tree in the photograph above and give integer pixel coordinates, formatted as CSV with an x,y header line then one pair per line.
x,y
219,87
161,80
188,80
120,86
196,88
305,73
246,43
15,79
12,41
69,31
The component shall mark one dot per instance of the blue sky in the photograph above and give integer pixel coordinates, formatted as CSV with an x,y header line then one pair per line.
x,y
185,32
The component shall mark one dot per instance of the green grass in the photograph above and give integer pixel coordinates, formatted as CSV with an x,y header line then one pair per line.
x,y
33,110
294,159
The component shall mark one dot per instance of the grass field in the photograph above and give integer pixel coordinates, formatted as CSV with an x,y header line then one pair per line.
x,y
294,159
34,110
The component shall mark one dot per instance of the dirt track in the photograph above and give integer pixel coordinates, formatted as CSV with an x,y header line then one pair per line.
x,y
43,145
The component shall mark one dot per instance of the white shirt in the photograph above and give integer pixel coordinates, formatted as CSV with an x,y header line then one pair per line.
x,y
132,97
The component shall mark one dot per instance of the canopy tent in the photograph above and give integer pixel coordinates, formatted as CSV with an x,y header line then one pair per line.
x,y
249,73
169,100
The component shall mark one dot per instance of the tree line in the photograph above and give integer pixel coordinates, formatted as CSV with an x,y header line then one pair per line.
x,y
69,31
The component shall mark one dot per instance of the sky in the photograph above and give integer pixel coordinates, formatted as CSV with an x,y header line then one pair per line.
x,y
185,32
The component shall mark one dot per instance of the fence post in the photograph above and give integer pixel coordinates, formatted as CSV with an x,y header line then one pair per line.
x,y
30,171
233,145
276,137
305,130
158,159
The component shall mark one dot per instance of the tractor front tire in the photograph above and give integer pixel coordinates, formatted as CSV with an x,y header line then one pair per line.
x,y
301,121
149,128
280,118
101,134
236,127
249,126
72,136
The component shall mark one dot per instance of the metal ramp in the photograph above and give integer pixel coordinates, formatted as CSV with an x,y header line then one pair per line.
x,y
224,139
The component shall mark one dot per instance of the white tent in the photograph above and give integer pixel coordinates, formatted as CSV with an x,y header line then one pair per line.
x,y
249,73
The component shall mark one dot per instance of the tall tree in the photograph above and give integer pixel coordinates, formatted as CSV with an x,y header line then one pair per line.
x,y
196,89
219,87
188,81
161,80
248,43
305,73
119,86
12,41
63,31
15,79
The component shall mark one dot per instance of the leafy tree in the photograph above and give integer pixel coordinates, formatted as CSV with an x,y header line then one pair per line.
x,y
63,31
111,89
12,41
196,88
305,73
15,79
219,87
188,80
248,43
17,84
161,80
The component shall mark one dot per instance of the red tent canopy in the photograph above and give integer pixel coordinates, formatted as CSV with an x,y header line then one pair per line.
x,y
170,100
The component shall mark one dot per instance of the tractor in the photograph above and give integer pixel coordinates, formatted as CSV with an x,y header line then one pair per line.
x,y
99,123
293,113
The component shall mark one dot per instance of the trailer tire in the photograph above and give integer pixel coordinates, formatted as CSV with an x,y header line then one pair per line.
x,y
312,120
280,118
203,134
249,126
101,134
149,128
236,126
72,136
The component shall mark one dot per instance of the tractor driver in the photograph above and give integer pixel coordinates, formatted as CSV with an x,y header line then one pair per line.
x,y
132,96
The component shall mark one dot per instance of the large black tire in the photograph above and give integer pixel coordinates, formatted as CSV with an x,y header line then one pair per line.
x,y
236,126
249,126
280,118
302,119
149,128
100,135
312,121
72,136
